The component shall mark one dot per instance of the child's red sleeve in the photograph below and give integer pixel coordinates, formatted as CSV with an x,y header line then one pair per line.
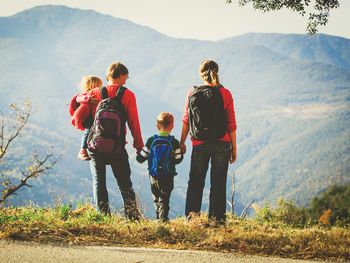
x,y
81,114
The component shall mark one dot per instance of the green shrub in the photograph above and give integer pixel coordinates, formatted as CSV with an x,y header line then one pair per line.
x,y
331,208
285,213
335,199
63,211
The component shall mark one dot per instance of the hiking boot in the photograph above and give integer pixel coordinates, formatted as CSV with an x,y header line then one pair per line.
x,y
83,155
164,220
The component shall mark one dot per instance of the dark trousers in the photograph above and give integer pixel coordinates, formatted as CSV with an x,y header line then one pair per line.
x,y
121,170
161,189
217,152
83,144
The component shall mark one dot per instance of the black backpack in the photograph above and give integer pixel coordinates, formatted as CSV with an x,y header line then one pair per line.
x,y
207,119
107,133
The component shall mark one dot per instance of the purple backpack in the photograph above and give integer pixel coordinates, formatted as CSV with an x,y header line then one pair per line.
x,y
107,133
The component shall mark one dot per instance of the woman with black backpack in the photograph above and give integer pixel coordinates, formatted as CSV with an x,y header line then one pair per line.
x,y
209,117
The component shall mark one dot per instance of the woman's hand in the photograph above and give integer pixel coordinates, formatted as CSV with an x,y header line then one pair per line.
x,y
233,153
184,133
233,156
183,148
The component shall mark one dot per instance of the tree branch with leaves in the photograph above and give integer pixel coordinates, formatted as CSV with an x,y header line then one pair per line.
x,y
21,118
318,14
39,166
10,130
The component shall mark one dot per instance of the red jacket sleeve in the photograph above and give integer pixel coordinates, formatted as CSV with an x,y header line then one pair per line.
x,y
81,114
185,114
73,104
129,101
229,110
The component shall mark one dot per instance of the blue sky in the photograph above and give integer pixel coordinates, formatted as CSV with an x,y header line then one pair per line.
x,y
199,19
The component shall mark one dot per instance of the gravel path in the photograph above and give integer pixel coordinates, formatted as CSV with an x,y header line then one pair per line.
x,y
23,252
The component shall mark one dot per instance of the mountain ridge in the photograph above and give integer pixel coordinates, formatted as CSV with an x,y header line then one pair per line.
x,y
303,47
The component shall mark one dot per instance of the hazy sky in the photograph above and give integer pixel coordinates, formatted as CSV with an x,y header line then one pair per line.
x,y
199,19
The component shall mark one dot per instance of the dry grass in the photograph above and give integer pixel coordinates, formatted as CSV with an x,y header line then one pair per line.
x,y
85,226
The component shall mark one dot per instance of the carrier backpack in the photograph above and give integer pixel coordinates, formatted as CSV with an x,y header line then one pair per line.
x,y
207,119
107,134
161,151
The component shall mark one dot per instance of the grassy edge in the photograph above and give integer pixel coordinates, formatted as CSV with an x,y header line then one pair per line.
x,y
85,226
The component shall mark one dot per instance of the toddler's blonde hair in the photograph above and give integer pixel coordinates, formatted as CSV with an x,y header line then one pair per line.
x,y
90,82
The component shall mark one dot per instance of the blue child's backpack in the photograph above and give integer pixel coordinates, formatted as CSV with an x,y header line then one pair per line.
x,y
161,151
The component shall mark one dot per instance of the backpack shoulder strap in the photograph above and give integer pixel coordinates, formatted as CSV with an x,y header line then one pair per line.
x,y
170,140
104,93
120,93
155,137
200,88
219,86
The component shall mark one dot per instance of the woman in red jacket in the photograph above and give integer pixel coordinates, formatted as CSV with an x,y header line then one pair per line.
x,y
209,143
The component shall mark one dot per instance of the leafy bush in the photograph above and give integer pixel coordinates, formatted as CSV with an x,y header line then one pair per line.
x,y
331,208
63,211
286,213
335,202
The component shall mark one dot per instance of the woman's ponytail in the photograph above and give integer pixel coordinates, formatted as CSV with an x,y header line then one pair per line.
x,y
208,71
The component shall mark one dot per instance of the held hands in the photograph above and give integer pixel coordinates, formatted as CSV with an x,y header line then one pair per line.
x,y
139,157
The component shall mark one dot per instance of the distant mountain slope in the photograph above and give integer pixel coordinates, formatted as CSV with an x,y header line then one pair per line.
x,y
318,48
291,96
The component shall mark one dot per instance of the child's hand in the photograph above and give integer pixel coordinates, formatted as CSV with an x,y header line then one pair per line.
x,y
93,101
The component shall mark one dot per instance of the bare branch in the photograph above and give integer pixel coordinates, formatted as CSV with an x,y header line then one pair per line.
x,y
2,136
233,193
231,202
39,167
22,116
244,212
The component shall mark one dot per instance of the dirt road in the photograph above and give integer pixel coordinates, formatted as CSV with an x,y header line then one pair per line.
x,y
11,252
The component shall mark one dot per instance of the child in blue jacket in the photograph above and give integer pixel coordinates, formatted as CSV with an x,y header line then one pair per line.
x,y
162,152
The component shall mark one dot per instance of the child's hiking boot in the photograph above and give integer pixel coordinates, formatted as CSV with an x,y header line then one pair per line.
x,y
83,155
